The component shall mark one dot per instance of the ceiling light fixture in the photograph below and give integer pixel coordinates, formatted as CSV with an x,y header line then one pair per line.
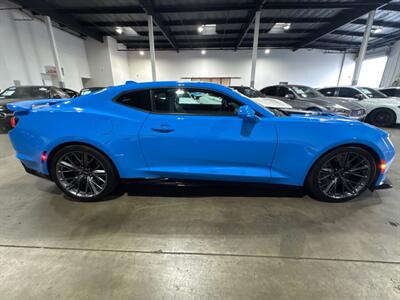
x,y
200,29
287,26
203,52
267,51
141,53
377,30
118,30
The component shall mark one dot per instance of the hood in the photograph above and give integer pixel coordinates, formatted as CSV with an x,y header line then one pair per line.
x,y
383,101
271,102
347,103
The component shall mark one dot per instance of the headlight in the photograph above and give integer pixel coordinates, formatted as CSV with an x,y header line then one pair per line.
x,y
339,109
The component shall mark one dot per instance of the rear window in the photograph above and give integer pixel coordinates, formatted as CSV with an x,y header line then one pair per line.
x,y
136,99
26,92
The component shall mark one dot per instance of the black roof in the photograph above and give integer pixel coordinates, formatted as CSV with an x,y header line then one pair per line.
x,y
323,24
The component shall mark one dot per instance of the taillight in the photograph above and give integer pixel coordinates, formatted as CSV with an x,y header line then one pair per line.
x,y
382,166
13,122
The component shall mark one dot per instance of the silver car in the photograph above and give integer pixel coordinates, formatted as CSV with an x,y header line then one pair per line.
x,y
307,98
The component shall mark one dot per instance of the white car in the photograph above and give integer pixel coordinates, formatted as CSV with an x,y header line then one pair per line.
x,y
260,98
381,110
393,91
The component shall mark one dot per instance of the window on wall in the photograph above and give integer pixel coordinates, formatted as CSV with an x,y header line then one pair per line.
x,y
372,71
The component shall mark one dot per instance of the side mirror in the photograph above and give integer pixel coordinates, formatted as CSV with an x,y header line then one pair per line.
x,y
359,96
289,96
246,112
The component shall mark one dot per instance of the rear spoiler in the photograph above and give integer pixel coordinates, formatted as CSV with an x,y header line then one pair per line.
x,y
26,106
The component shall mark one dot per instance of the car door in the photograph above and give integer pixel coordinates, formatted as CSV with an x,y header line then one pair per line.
x,y
196,134
348,92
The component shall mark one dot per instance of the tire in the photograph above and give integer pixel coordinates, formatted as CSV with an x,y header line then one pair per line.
x,y
83,173
342,174
382,117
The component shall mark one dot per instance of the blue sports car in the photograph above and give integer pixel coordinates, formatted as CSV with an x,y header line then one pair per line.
x,y
194,131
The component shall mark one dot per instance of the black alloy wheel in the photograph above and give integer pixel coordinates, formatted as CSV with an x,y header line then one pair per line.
x,y
342,174
382,117
83,173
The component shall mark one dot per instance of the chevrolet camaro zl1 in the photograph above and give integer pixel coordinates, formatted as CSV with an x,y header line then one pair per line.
x,y
194,131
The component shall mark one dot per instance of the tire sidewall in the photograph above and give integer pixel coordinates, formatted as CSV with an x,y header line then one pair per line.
x,y
382,110
312,180
112,176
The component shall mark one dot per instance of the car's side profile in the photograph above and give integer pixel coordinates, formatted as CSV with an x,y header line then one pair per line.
x,y
381,110
260,98
308,98
194,131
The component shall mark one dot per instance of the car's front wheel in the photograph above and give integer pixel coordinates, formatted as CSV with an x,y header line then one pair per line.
x,y
83,173
382,117
342,174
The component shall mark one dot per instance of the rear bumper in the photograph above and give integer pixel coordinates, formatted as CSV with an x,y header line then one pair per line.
x,y
36,173
386,184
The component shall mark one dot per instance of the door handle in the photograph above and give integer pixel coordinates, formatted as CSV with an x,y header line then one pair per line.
x,y
162,129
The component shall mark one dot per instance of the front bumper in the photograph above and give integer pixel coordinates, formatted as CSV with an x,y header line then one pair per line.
x,y
386,184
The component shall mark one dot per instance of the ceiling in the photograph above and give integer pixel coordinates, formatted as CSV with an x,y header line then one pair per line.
x,y
325,24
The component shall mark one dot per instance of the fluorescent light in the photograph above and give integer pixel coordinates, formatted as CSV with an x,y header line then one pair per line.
x,y
141,53
377,30
203,52
267,51
118,30
280,28
287,26
200,28
207,29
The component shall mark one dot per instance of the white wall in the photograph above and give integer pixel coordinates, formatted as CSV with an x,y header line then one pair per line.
x,y
108,66
391,73
25,50
309,67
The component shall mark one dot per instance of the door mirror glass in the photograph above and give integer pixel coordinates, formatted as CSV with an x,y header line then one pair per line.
x,y
246,112
289,96
359,96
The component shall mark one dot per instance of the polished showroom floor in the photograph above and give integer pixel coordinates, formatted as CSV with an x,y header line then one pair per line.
x,y
220,242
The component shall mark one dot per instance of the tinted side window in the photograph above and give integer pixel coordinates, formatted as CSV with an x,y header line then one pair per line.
x,y
329,92
348,92
389,92
136,99
193,101
270,91
284,91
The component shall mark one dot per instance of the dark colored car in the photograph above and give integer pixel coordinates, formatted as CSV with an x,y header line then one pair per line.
x,y
307,98
391,91
70,93
87,91
21,93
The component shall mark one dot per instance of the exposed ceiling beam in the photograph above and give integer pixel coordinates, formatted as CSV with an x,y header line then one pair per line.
x,y
341,19
249,21
388,39
42,7
391,6
225,6
378,23
148,7
220,21
216,40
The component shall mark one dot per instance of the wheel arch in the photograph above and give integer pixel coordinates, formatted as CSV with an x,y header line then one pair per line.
x,y
71,143
360,145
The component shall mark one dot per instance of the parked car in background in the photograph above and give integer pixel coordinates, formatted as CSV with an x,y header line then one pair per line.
x,y
20,93
260,98
308,98
70,93
381,110
158,130
87,91
391,91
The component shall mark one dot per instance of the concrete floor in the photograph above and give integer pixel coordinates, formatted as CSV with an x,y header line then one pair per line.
x,y
195,243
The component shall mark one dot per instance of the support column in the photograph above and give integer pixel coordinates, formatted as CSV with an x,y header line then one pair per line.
x,y
151,44
60,75
341,67
255,48
363,47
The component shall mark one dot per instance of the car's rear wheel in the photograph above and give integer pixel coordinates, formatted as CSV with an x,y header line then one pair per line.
x,y
83,173
342,174
382,117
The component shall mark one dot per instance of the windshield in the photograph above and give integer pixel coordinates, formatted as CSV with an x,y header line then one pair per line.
x,y
371,93
305,92
248,91
28,92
